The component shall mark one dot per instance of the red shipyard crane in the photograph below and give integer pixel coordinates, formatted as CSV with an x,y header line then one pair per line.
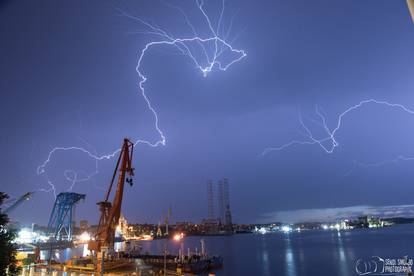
x,y
111,211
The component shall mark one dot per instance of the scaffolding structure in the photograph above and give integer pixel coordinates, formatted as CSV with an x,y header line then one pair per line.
x,y
210,200
224,201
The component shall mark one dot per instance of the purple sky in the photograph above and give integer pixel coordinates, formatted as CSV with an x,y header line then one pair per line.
x,y
68,79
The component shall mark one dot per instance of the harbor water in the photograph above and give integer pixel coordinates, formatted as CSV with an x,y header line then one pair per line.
x,y
312,252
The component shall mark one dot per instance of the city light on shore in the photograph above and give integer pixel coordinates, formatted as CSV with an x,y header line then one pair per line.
x,y
85,236
178,237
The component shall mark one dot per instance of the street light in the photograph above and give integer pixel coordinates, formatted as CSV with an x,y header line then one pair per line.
x,y
176,237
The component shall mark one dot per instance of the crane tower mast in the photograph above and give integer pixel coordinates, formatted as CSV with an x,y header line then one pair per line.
x,y
111,212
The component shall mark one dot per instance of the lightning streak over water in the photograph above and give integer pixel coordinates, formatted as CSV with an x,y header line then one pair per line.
x,y
209,58
329,142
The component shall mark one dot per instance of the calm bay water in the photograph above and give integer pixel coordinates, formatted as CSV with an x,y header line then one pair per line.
x,y
305,253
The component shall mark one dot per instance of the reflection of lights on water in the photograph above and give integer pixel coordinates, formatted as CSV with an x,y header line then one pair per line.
x,y
86,252
68,253
289,259
119,246
147,237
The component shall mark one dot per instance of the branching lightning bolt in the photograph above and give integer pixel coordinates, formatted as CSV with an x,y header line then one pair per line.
x,y
210,61
329,142
385,162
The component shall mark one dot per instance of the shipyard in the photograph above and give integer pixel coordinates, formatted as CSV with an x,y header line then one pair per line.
x,y
116,247
206,138
102,252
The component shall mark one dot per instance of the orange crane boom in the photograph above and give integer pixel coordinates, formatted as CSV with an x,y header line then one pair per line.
x,y
110,212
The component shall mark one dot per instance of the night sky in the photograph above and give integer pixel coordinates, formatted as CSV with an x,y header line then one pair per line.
x,y
68,79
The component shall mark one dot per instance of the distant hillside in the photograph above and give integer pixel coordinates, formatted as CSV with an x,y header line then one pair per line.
x,y
399,220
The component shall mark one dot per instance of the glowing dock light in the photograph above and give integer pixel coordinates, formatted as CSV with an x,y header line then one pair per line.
x,y
85,237
262,230
24,236
286,229
178,237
